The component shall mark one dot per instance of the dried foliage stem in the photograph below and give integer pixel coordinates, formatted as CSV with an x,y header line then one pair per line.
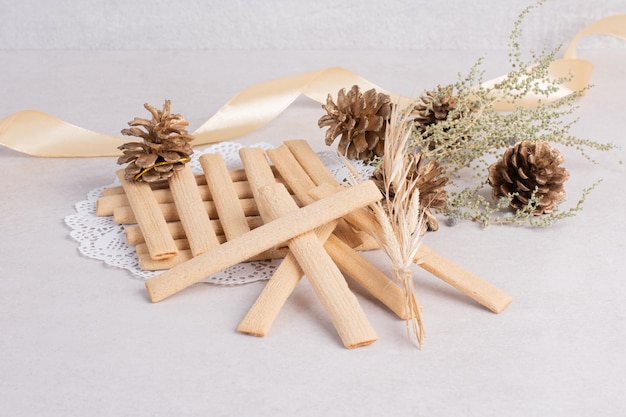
x,y
459,126
400,216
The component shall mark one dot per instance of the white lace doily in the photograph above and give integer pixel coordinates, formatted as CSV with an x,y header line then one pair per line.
x,y
102,239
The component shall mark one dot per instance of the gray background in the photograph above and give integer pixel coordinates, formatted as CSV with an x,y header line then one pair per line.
x,y
284,24
78,338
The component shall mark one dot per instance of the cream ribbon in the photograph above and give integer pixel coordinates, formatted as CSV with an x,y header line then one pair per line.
x,y
40,134
577,70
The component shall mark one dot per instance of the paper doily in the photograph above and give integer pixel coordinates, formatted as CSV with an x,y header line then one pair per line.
x,y
102,239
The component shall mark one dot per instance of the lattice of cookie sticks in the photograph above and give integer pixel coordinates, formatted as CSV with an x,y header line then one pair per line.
x,y
302,171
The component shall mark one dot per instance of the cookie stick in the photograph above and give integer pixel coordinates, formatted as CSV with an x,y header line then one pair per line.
x,y
235,174
150,264
324,276
149,218
107,203
125,215
134,236
229,210
190,209
261,315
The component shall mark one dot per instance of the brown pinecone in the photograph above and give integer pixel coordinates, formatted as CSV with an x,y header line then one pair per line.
x,y
360,119
430,183
434,107
165,147
526,167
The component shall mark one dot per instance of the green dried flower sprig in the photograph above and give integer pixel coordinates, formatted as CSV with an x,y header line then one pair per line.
x,y
474,133
471,204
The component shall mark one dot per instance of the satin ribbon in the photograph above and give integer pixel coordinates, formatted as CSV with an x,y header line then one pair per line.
x,y
39,134
570,66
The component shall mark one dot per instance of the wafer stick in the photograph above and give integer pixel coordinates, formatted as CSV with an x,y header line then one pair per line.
x,y
368,243
236,175
125,215
106,204
325,278
309,161
257,168
135,237
181,244
224,195
190,209
149,218
362,219
261,316
155,186
368,276
346,233
300,182
149,264
294,175
262,238
463,280
319,174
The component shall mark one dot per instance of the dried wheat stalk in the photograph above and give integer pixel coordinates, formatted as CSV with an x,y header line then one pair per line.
x,y
400,216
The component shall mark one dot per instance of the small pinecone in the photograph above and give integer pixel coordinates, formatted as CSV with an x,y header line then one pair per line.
x,y
165,147
430,183
525,167
434,107
360,119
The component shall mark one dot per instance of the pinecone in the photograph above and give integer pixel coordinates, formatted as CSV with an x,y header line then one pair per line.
x,y
434,107
430,183
165,147
526,167
360,119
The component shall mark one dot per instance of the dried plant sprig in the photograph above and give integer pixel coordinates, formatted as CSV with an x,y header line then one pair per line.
x,y
430,182
472,203
400,215
491,131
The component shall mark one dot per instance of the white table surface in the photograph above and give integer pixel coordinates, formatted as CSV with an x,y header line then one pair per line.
x,y
78,338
